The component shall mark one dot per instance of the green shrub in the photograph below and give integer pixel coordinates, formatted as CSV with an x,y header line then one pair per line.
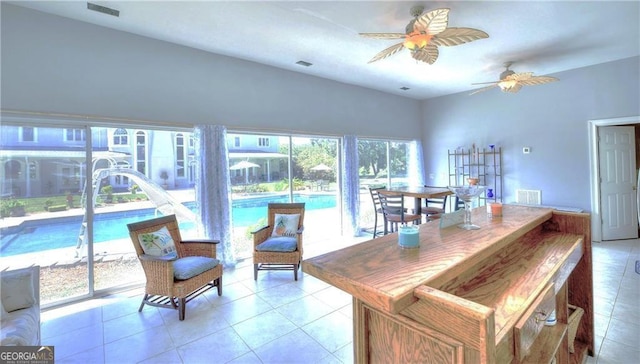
x,y
55,208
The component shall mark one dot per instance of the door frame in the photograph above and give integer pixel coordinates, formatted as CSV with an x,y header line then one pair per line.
x,y
594,167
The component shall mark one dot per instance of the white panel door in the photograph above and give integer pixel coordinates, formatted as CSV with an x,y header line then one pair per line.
x,y
618,200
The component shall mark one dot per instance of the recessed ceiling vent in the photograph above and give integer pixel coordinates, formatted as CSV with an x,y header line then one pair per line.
x,y
304,63
103,9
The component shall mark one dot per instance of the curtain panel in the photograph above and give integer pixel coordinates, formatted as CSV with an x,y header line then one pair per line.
x,y
350,186
213,188
416,163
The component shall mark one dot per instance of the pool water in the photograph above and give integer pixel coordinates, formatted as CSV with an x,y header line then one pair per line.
x,y
35,236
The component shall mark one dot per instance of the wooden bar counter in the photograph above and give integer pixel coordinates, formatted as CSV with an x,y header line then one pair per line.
x,y
471,296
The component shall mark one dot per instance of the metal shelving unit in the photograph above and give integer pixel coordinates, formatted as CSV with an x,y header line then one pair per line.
x,y
482,163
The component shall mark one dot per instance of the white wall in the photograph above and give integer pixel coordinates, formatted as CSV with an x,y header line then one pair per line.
x,y
552,119
54,64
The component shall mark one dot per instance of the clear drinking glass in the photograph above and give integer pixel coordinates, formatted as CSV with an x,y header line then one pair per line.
x,y
467,194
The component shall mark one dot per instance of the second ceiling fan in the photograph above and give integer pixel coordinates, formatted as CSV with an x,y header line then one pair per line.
x,y
513,82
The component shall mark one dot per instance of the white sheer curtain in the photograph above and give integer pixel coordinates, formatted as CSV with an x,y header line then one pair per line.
x,y
212,188
350,185
416,163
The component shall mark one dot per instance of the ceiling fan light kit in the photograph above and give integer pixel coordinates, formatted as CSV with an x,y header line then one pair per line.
x,y
424,34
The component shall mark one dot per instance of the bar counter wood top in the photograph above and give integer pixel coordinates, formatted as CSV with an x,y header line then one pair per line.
x,y
384,275
390,284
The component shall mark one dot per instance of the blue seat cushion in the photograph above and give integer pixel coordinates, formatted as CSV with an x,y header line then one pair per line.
x,y
188,267
278,244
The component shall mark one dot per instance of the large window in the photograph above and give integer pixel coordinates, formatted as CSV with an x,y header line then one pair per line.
x,y
383,163
82,243
300,169
69,215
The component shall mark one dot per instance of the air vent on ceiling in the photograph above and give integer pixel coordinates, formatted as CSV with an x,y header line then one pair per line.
x,y
404,88
304,63
103,9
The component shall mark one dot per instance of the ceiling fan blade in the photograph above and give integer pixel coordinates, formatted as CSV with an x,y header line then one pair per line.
x,y
519,76
484,89
456,36
383,35
485,83
514,89
537,80
387,52
428,54
433,22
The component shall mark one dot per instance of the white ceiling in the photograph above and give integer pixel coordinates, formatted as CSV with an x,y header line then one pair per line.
x,y
543,37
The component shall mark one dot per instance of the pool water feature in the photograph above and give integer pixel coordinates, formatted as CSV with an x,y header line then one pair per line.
x,y
54,233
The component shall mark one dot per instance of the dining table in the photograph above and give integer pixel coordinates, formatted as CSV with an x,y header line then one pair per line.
x,y
419,193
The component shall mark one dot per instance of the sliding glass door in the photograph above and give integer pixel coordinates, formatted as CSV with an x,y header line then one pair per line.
x,y
383,163
70,217
274,168
42,174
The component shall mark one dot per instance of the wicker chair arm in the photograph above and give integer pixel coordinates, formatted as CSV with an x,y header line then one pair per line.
x,y
260,230
204,241
159,274
260,236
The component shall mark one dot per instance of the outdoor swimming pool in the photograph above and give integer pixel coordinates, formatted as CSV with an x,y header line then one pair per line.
x,y
40,235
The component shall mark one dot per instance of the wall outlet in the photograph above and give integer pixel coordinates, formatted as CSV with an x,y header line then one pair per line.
x,y
526,150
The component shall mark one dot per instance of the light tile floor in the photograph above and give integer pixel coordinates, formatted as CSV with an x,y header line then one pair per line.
x,y
278,320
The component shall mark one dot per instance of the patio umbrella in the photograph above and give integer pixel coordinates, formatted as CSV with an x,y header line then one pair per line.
x,y
244,165
322,167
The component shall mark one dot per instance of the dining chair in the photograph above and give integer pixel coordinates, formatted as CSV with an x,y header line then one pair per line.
x,y
377,209
434,207
394,211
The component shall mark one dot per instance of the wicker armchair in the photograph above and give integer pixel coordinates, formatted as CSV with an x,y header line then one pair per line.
x,y
176,270
282,249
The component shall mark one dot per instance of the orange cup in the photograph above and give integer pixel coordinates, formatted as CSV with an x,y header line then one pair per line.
x,y
496,209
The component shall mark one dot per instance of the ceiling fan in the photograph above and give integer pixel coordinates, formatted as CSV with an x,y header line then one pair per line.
x,y
513,82
424,34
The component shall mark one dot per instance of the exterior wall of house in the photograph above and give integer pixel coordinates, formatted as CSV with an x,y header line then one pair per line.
x,y
238,143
